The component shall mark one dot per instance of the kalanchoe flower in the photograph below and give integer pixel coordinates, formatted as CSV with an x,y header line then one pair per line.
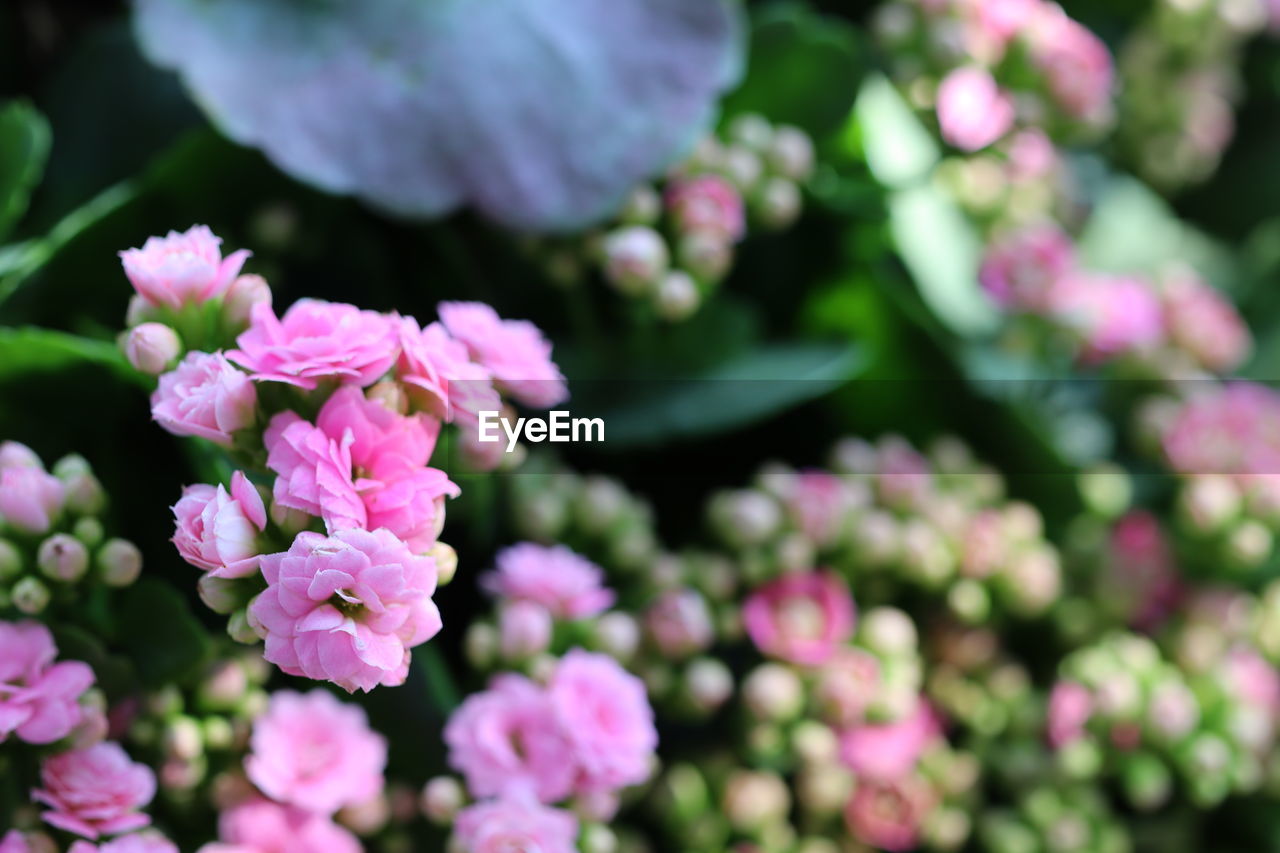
x,y
516,823
218,531
15,454
314,752
1020,269
14,842
1111,315
137,842
30,499
973,111
317,341
679,623
95,791
889,815
1070,707
150,347
568,585
39,699
440,376
1203,323
604,713
205,396
261,826
180,269
513,351
801,618
889,751
707,203
508,738
635,258
315,472
346,608
1076,63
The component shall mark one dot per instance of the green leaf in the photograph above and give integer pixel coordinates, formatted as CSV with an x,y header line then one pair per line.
x,y
31,350
747,389
160,634
898,148
24,148
804,69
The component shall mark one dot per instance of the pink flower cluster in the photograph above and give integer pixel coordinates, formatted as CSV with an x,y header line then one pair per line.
x,y
1034,271
800,618
567,585
39,699
95,791
1231,429
589,731
261,826
348,605
31,499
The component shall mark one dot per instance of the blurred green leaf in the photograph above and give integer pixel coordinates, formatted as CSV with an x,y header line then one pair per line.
x,y
160,634
24,148
804,69
29,350
899,150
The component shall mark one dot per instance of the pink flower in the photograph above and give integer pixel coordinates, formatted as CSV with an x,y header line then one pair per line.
x,y
384,444
314,752
1070,707
707,204
513,351
1019,270
95,791
1031,155
1003,19
317,341
889,751
568,585
14,842
138,842
15,454
973,111
846,685
411,506
888,815
515,823
1140,574
1204,323
819,503
801,618
30,499
604,713
1076,64
1112,315
507,738
39,699
679,623
347,608
315,472
261,826
181,269
440,376
205,396
1254,680
218,532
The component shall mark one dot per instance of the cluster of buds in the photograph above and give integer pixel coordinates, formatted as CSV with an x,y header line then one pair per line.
x,y
888,514
976,682
1175,326
1180,75
1060,817
332,416
1207,719
673,242
52,538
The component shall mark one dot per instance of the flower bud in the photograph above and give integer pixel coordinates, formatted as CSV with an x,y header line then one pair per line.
x,y
678,296
745,517
151,348
754,799
481,645
823,789
442,798
446,559
969,601
778,203
1106,489
119,562
390,394
241,629
617,634
679,623
245,292
791,153
10,561
643,206
1147,781
1208,502
224,685
182,738
63,558
888,632
368,817
752,130
743,167
773,692
89,531
1249,544
30,596
708,683
290,521
221,595
84,494
598,838
524,630
705,256
635,258
600,502
139,311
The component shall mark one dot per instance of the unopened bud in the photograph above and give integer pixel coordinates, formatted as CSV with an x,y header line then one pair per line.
x,y
84,494
643,206
524,630
1208,502
824,788
119,562
709,684
1249,544
245,292
778,203
10,561
241,629
598,838
791,153
617,634
773,692
30,596
600,502
1106,489
368,817
481,645
442,798
755,798
391,395
446,560
743,167
221,595
752,130
889,632
182,738
89,530
139,311
63,558
746,517
706,256
635,258
152,347
1147,781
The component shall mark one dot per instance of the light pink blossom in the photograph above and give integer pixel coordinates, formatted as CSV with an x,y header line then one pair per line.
x,y
440,376
347,608
1020,269
604,713
1003,19
516,823
410,506
205,396
39,699
30,499
95,791
508,738
138,842
317,341
513,351
261,826
1112,315
679,623
15,454
1075,62
1203,323
707,204
846,685
819,504
218,531
315,472
888,815
1232,429
180,269
384,444
314,752
801,618
888,751
14,842
568,585
973,111
1070,707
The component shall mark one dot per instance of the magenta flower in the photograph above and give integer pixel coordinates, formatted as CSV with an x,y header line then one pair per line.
x,y
1112,315
95,791
181,269
261,826
314,752
973,111
14,842
384,444
1020,270
137,842
889,751
346,608
316,341
801,618
1070,707
516,823
604,713
205,396
707,204
888,815
315,472
513,351
568,585
507,738
30,499
218,531
440,376
39,699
